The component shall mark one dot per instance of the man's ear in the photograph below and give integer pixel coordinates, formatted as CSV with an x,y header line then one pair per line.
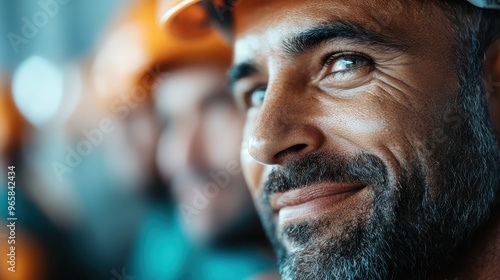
x,y
492,84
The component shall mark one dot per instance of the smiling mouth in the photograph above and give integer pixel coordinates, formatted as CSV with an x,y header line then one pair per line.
x,y
311,201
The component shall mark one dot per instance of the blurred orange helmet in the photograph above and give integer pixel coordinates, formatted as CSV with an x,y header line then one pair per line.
x,y
199,17
137,44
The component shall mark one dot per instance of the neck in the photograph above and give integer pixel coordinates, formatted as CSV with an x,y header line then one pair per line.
x,y
481,260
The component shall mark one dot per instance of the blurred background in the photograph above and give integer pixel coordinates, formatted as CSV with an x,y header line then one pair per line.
x,y
123,146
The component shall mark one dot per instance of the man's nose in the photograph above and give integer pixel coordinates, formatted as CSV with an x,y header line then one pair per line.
x,y
284,128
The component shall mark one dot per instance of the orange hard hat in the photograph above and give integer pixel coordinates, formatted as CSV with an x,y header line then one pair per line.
x,y
201,17
136,44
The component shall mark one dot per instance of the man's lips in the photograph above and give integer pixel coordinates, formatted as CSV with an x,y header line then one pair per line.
x,y
312,199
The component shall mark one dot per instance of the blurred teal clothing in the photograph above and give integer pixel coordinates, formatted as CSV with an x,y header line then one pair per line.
x,y
163,252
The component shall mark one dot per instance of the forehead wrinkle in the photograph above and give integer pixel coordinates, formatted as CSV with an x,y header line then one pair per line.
x,y
269,25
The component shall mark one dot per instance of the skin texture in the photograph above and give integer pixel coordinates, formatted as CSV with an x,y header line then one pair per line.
x,y
201,134
397,104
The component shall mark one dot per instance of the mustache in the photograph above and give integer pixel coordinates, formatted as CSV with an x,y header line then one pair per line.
x,y
317,168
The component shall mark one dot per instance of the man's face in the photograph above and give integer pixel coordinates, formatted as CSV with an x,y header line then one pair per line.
x,y
201,135
359,148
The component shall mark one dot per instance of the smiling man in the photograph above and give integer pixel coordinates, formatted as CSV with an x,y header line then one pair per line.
x,y
371,139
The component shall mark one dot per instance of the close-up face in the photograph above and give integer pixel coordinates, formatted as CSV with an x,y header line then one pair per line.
x,y
201,135
359,128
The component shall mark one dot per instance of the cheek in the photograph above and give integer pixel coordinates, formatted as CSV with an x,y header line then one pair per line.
x,y
360,129
381,120
352,125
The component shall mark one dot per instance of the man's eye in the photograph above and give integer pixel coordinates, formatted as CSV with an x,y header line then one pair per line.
x,y
256,97
348,63
345,66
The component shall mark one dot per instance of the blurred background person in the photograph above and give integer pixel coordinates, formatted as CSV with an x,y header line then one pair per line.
x,y
215,235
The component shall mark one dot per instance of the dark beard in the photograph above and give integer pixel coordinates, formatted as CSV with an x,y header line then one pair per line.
x,y
417,224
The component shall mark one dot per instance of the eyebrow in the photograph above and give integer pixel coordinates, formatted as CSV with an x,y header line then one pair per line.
x,y
313,38
346,30
240,71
